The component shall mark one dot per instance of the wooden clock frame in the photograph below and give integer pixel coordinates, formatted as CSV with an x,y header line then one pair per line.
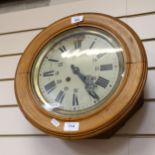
x,y
117,109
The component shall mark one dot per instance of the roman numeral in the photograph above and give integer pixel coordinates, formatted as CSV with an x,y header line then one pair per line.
x,y
102,82
49,73
100,55
77,44
75,100
60,97
92,44
106,67
62,49
53,60
50,86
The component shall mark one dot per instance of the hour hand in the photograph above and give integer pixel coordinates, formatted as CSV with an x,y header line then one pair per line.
x,y
87,80
76,71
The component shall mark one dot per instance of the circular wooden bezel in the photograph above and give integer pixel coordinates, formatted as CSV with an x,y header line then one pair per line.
x,y
115,109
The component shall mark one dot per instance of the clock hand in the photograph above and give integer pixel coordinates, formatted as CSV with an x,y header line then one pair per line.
x,y
90,86
87,80
76,71
94,95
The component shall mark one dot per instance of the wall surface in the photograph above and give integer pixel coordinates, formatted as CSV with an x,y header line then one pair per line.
x,y
16,5
18,136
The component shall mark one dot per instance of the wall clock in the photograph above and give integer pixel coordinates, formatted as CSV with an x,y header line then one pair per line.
x,y
81,76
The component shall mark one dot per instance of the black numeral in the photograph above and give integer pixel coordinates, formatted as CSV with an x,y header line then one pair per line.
x,y
49,73
106,67
100,55
102,82
92,44
60,97
50,86
77,44
53,60
62,48
75,100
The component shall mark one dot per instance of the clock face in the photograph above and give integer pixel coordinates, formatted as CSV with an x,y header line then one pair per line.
x,y
77,71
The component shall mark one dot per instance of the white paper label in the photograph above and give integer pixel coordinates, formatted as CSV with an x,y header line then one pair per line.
x,y
55,122
71,126
77,19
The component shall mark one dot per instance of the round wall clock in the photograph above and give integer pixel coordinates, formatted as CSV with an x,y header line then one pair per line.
x,y
81,76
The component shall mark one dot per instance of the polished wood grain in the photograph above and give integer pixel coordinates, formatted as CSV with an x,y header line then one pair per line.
x,y
125,97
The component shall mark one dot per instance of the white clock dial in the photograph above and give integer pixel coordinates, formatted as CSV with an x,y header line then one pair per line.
x,y
78,71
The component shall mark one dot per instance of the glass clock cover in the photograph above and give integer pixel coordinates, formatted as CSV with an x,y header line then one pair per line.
x,y
77,71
